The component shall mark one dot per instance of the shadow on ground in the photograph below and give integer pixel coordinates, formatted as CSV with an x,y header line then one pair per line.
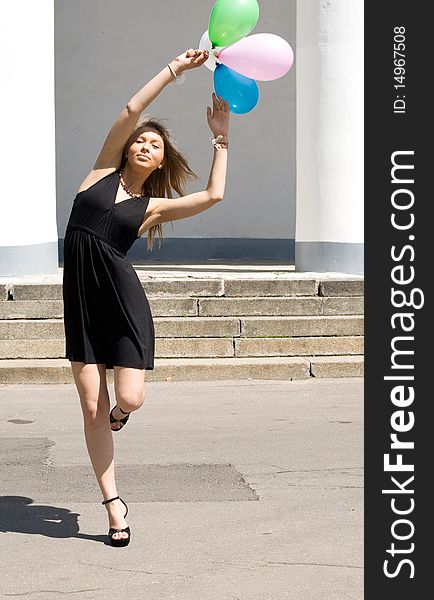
x,y
18,514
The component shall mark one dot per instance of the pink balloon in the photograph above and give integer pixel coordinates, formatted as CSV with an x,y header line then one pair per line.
x,y
262,56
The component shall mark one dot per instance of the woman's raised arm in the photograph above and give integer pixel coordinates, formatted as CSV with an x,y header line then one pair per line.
x,y
111,152
168,209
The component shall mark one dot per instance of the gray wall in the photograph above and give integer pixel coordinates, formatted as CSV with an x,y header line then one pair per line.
x,y
107,49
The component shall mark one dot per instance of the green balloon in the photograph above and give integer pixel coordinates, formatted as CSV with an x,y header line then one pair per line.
x,y
231,20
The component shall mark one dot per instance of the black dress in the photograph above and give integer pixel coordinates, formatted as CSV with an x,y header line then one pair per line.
x,y
107,317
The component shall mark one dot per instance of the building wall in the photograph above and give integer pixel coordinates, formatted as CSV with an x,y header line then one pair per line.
x,y
28,231
107,49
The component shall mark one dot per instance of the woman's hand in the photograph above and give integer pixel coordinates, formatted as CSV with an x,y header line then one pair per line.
x,y
190,59
218,116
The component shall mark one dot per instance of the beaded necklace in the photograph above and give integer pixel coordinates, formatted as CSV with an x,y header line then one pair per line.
x,y
126,189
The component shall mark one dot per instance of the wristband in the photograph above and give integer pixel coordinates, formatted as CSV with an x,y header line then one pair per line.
x,y
178,79
219,142
172,71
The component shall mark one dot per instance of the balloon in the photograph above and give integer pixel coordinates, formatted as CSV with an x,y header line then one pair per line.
x,y
263,56
205,44
241,92
231,20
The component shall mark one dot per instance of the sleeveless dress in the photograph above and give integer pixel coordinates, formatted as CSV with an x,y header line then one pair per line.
x,y
107,317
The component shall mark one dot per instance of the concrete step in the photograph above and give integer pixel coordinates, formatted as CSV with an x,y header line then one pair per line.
x,y
188,327
193,286
59,371
30,309
299,346
205,307
53,309
301,326
337,366
213,322
278,306
171,287
203,347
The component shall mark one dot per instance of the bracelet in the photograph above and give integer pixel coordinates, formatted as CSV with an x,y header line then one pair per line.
x,y
178,79
219,142
172,71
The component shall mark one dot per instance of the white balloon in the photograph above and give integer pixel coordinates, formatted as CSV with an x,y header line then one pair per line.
x,y
205,44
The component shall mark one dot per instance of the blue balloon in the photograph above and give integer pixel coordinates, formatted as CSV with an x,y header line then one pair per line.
x,y
241,92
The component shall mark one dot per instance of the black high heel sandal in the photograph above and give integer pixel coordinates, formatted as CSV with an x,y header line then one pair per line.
x,y
123,421
112,530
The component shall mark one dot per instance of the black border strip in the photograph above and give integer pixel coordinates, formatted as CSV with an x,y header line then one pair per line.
x,y
388,132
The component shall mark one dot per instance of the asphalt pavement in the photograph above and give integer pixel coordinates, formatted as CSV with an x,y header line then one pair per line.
x,y
237,490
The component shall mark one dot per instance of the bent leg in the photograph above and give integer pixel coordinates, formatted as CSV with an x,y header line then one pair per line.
x,y
129,387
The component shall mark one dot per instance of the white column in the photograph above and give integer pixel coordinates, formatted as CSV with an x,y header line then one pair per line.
x,y
28,231
329,63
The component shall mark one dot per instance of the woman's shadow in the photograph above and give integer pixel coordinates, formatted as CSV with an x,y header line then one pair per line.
x,y
18,514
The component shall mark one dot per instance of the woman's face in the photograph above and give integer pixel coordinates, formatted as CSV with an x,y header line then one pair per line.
x,y
147,150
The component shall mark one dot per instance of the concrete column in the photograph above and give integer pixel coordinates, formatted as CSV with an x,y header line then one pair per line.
x,y
28,231
329,64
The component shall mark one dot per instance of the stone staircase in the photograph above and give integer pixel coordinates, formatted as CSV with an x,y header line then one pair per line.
x,y
219,324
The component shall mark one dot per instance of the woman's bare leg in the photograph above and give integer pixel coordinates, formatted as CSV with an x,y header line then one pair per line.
x,y
91,383
129,387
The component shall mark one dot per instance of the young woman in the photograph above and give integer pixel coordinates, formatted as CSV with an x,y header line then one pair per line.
x,y
108,322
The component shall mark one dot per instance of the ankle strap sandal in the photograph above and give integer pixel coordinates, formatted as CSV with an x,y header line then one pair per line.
x,y
120,541
121,421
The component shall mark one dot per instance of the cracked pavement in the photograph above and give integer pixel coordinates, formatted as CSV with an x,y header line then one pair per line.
x,y
237,490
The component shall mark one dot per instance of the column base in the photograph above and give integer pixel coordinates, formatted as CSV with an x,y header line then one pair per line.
x,y
320,257
17,261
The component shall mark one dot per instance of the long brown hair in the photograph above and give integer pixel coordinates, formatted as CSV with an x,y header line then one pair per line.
x,y
161,182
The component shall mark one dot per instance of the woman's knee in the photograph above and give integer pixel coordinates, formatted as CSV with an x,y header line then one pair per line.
x,y
129,388
131,399
95,414
92,388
